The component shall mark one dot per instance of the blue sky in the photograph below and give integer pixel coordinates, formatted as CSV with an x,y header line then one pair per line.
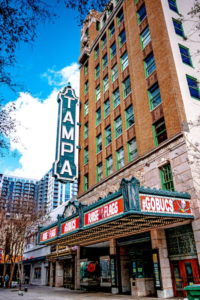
x,y
45,68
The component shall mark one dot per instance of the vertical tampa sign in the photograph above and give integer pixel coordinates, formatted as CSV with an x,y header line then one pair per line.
x,y
65,167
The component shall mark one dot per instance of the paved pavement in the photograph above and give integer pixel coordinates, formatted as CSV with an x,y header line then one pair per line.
x,y
49,293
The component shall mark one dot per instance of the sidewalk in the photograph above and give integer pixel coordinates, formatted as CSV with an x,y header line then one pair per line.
x,y
49,293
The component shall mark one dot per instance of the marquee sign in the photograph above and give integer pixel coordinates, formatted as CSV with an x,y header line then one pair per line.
x,y
104,212
65,167
70,225
151,203
49,234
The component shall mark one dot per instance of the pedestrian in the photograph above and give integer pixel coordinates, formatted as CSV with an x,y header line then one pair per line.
x,y
7,280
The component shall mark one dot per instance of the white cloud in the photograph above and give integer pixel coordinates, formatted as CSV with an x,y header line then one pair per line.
x,y
61,78
38,127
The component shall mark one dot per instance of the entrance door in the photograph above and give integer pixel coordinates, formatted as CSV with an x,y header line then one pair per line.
x,y
184,273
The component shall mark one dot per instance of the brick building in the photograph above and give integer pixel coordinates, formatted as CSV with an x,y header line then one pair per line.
x,y
139,89
133,227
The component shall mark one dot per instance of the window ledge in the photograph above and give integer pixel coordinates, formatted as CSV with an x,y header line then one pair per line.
x,y
122,44
156,107
106,117
124,69
98,125
98,152
130,127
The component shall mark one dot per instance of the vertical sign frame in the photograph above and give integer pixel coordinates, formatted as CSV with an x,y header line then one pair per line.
x,y
65,167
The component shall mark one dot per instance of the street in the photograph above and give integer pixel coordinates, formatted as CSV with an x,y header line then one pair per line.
x,y
49,293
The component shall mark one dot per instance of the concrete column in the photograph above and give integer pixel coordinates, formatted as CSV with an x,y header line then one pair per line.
x,y
59,275
113,252
113,249
196,230
51,274
77,269
158,240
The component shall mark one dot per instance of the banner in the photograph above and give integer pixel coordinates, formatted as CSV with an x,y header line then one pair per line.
x,y
70,226
49,234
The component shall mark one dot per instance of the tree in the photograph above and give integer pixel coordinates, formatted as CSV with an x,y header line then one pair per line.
x,y
22,219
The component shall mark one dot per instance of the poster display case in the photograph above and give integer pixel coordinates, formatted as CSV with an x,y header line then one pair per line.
x,y
89,273
105,271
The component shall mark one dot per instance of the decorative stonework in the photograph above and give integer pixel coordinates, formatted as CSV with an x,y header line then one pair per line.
x,y
138,4
107,121
113,61
112,40
97,82
86,168
104,50
143,25
121,27
105,71
99,158
86,142
128,101
96,62
106,95
119,142
98,104
130,133
108,150
86,118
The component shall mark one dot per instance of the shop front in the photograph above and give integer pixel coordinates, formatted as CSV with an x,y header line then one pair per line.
x,y
183,258
121,239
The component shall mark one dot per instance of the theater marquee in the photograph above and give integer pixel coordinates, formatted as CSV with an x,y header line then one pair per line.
x,y
65,167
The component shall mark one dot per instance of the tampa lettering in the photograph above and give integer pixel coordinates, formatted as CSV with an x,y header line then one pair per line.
x,y
67,147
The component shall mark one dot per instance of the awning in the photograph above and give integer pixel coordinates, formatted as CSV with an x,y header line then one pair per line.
x,y
130,210
34,259
62,255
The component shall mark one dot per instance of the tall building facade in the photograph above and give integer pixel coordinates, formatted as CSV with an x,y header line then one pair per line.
x,y
139,91
46,193
51,193
14,187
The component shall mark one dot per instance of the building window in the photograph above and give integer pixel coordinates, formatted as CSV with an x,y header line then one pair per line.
x,y
104,41
154,96
118,127
86,107
141,14
114,73
97,93
167,178
193,87
86,68
178,28
120,158
129,114
104,19
110,9
124,61
86,155
122,38
97,71
160,133
86,87
112,50
149,64
109,165
99,143
86,182
98,27
105,83
111,30
173,5
132,150
105,61
86,130
116,98
96,52
120,17
98,116
108,137
99,172
185,55
106,108
87,32
145,37
126,87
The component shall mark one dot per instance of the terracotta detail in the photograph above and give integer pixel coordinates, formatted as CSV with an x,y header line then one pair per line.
x,y
86,142
99,158
112,40
125,73
121,27
106,95
114,61
115,85
117,111
119,142
143,25
147,50
108,150
105,71
138,4
86,168
151,79
122,49
98,104
130,133
157,113
97,81
128,101
86,118
104,50
107,121
96,62
98,129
